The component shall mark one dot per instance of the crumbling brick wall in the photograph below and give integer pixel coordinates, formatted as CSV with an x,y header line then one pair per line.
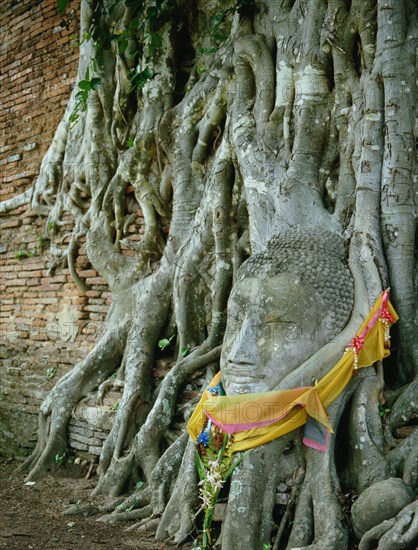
x,y
46,323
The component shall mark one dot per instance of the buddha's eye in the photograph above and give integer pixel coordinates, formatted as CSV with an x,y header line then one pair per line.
x,y
272,317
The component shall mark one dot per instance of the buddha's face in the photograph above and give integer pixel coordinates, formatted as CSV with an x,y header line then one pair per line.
x,y
274,325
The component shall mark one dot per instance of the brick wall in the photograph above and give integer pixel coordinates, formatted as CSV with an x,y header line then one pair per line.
x,y
46,323
38,62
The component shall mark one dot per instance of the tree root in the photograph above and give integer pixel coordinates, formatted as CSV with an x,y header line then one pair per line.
x,y
151,501
302,530
252,495
403,459
57,408
150,525
145,451
330,532
91,509
405,407
177,519
400,533
138,499
233,142
367,463
319,521
140,513
297,480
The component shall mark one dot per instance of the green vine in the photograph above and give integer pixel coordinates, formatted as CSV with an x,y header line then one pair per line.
x,y
142,30
218,28
86,86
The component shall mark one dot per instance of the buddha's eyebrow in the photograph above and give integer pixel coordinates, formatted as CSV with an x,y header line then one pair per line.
x,y
291,305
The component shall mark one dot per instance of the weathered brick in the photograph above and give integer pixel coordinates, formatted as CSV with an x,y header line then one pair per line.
x,y
96,281
30,147
88,273
96,309
10,223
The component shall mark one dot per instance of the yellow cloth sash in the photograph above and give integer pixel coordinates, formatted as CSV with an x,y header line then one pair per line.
x,y
257,418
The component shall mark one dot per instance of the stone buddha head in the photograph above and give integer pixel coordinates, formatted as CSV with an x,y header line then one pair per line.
x,y
288,302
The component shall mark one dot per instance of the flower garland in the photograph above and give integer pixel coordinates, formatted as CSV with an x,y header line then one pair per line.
x,y
214,462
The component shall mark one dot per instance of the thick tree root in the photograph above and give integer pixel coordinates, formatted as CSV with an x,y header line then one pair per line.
x,y
152,499
367,463
319,521
146,525
145,451
141,513
400,533
405,408
322,500
177,520
57,408
403,460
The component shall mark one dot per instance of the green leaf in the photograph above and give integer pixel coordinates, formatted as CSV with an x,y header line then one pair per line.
x,y
133,54
130,142
209,517
219,37
162,344
122,45
62,6
222,449
156,41
95,83
84,85
233,466
148,73
135,24
201,470
185,351
219,17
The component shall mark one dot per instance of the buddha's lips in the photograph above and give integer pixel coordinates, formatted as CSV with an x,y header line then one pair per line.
x,y
240,375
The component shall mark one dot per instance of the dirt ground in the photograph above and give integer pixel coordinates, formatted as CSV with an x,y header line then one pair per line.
x,y
31,515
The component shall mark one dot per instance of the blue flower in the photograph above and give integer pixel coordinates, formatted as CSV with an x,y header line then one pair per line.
x,y
203,438
216,390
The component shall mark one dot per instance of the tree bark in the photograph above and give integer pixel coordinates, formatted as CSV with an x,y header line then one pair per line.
x,y
252,118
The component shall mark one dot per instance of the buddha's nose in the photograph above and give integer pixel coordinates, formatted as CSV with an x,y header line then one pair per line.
x,y
244,349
